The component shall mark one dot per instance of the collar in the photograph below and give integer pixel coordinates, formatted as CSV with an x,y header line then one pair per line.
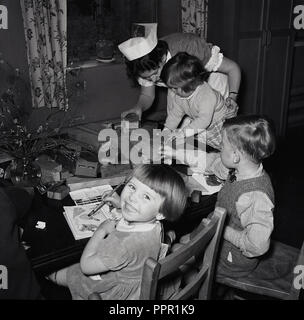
x,y
125,226
192,94
255,174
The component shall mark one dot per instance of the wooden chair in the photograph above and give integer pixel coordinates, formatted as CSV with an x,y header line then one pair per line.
x,y
190,268
274,276
193,262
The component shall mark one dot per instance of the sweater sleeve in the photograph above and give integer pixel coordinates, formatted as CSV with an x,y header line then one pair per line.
x,y
255,212
174,111
204,104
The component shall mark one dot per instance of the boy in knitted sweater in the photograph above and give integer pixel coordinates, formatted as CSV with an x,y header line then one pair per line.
x,y
247,193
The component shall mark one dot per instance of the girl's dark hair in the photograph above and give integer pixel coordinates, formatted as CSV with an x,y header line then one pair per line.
x,y
184,71
252,134
166,182
150,61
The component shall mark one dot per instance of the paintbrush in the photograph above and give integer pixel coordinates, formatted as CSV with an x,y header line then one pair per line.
x,y
103,202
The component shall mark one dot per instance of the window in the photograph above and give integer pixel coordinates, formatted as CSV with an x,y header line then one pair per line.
x,y
92,20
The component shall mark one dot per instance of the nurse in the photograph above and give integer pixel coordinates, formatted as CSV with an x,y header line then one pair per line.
x,y
146,56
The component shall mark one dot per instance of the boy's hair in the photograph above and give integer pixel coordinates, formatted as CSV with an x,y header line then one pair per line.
x,y
184,71
252,134
150,61
166,182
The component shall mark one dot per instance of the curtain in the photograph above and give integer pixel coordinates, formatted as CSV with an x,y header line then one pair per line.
x,y
195,16
45,26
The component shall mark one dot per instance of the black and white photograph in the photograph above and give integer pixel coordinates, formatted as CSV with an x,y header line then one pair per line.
x,y
151,150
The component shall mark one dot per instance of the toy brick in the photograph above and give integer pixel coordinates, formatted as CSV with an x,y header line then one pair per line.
x,y
58,193
50,170
86,168
65,174
114,170
76,183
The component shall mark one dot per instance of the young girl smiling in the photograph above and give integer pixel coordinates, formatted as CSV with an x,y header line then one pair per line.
x,y
115,255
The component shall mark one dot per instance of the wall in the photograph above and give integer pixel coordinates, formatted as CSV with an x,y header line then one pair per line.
x,y
296,99
12,45
169,17
107,92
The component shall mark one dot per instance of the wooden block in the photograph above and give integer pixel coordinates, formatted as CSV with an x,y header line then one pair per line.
x,y
114,170
50,169
86,168
76,183
58,193
64,174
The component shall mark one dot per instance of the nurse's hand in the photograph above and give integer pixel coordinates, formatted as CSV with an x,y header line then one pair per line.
x,y
136,110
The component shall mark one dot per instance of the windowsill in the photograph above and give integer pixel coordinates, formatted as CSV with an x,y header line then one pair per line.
x,y
92,63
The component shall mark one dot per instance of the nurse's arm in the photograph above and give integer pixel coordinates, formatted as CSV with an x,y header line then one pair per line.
x,y
233,72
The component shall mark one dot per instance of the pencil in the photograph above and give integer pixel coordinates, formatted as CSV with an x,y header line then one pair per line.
x,y
103,202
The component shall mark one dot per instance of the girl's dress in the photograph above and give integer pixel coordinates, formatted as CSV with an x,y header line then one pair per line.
x,y
205,110
124,252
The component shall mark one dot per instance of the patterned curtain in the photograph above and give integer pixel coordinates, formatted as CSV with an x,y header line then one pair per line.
x,y
195,16
45,26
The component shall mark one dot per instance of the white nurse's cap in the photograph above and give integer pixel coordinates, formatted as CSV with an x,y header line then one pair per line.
x,y
138,47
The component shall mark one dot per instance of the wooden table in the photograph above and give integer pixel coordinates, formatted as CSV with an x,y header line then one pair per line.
x,y
54,247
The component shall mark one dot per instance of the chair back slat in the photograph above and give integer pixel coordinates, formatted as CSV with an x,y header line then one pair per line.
x,y
193,287
198,244
198,254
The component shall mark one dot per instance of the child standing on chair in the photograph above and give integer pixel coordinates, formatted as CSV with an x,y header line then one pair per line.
x,y
247,194
113,260
190,95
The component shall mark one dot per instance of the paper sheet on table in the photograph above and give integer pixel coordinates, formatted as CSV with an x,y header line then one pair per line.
x,y
201,179
89,195
83,226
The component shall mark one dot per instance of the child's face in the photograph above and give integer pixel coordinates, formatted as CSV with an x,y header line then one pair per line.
x,y
139,203
228,152
154,75
151,75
